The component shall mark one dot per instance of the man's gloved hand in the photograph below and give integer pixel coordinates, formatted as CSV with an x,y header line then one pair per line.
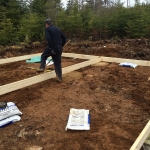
x,y
52,51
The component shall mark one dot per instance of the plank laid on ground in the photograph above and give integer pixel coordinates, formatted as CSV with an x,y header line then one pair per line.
x,y
19,58
141,138
81,56
25,57
36,79
121,60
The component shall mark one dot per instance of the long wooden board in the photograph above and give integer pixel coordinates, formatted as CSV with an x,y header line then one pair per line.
x,y
121,60
25,57
141,138
19,58
36,79
81,56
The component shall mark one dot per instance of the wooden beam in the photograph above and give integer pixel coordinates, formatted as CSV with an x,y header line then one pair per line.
x,y
121,60
81,56
25,57
36,79
141,138
20,58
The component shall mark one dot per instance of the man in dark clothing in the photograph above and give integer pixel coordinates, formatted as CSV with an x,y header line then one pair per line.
x,y
56,40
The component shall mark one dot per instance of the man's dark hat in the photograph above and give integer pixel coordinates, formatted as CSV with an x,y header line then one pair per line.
x,y
48,21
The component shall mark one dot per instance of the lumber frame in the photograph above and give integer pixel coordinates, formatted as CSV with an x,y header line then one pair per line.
x,y
20,58
141,138
36,79
91,60
80,56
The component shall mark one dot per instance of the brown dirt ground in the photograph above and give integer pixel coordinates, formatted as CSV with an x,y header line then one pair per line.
x,y
118,99
16,71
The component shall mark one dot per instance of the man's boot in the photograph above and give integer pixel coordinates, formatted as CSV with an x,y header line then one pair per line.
x,y
40,70
59,79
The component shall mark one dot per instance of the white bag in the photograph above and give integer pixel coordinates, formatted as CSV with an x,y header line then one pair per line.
x,y
10,110
9,120
126,64
79,119
49,62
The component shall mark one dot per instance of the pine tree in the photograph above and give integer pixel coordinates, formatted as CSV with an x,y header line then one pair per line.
x,y
14,12
70,4
52,8
38,6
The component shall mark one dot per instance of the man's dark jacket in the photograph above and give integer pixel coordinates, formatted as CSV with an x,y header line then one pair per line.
x,y
54,37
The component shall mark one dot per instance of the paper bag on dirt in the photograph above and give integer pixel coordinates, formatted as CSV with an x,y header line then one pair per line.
x,y
10,110
79,119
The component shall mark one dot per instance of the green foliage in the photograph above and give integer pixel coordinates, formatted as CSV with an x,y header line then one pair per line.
x,y
71,24
23,21
31,26
4,3
117,22
2,12
52,7
6,32
14,12
138,22
86,16
38,6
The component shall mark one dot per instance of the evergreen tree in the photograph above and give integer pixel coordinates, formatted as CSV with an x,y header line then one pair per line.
x,y
98,5
14,12
7,34
52,8
70,4
4,3
38,6
2,13
32,27
86,16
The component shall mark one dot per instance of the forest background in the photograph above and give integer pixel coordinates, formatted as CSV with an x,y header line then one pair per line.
x,y
23,20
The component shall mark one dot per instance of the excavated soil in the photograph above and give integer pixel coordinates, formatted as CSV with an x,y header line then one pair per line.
x,y
16,71
118,99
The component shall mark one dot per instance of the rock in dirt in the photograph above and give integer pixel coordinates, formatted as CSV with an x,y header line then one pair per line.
x,y
22,133
34,148
37,132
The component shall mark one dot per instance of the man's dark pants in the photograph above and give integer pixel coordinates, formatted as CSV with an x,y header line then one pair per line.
x,y
56,59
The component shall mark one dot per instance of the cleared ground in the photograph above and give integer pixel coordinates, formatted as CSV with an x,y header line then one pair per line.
x,y
118,99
